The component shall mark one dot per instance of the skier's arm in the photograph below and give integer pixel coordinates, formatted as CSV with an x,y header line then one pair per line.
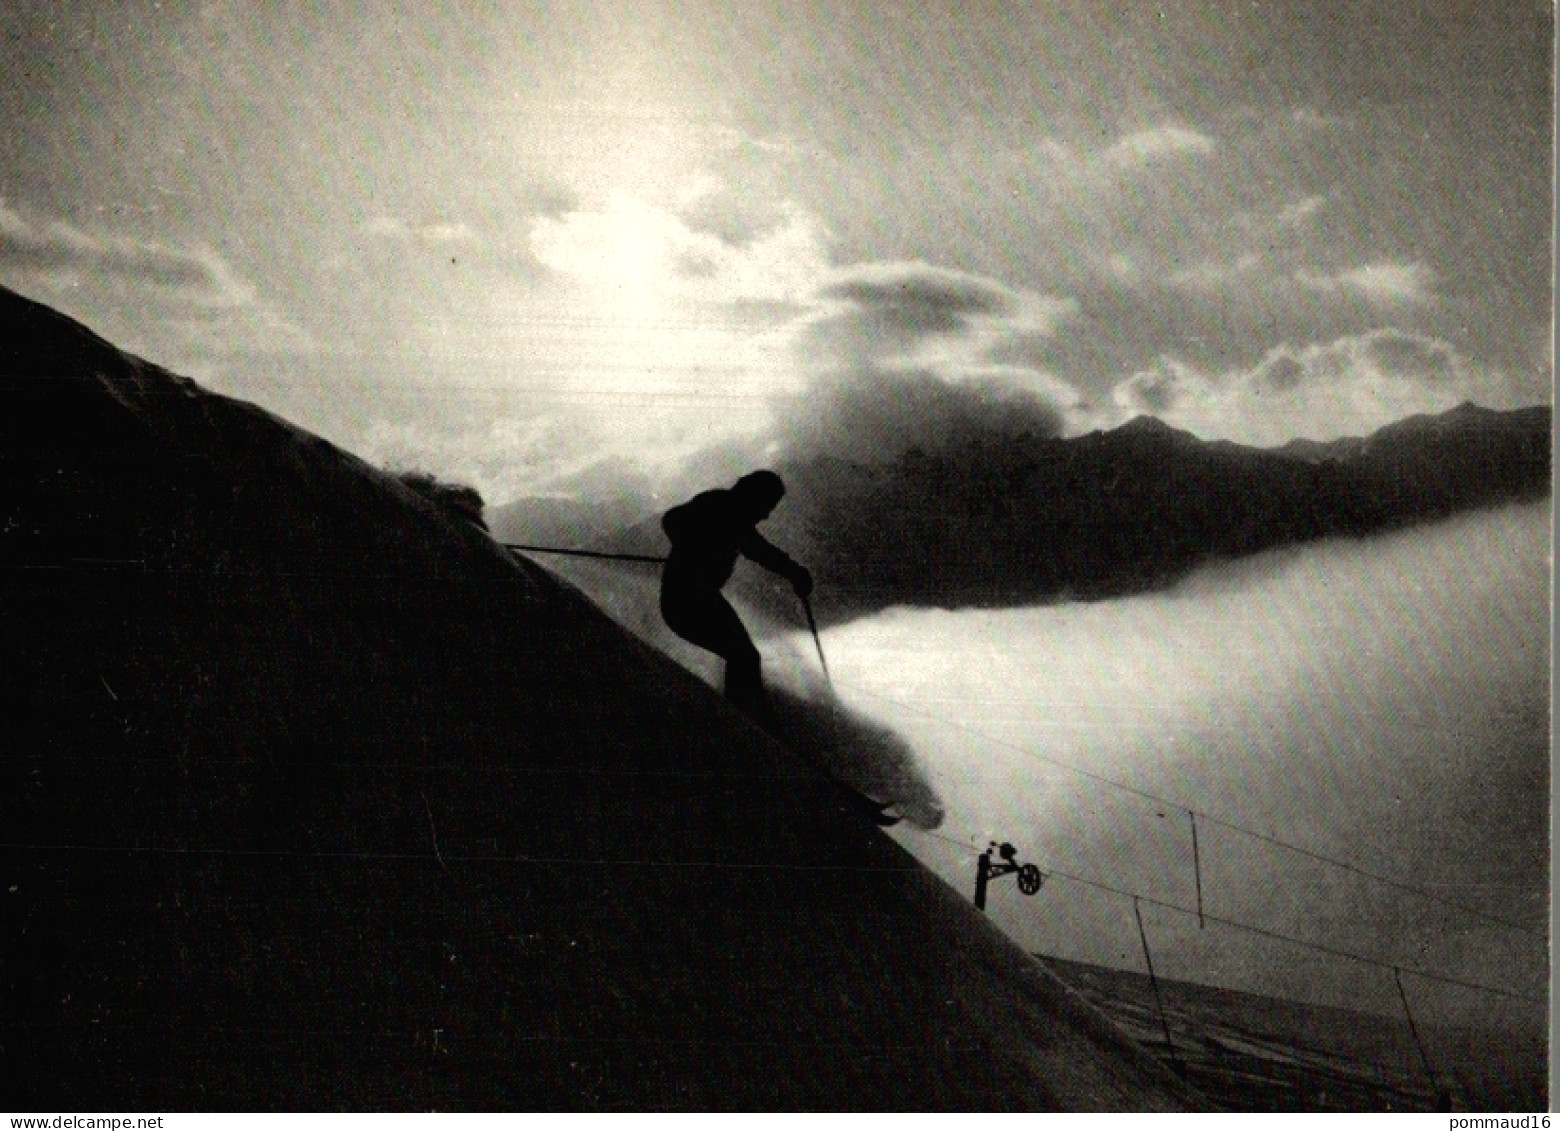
x,y
755,547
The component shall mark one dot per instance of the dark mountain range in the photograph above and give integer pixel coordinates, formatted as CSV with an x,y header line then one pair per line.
x,y
314,798
1000,520
1013,522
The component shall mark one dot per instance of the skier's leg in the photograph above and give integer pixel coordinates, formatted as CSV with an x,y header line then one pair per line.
x,y
706,619
729,640
744,673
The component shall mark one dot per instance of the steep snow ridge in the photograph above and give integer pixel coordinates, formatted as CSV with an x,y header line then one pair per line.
x,y
315,798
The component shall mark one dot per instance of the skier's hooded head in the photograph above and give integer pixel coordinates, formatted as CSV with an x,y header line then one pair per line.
x,y
758,493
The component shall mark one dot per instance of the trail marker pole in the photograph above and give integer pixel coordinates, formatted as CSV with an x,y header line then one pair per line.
x,y
1443,1098
982,877
1159,1001
1197,869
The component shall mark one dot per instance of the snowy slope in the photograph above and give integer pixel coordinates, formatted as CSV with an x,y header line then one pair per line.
x,y
312,797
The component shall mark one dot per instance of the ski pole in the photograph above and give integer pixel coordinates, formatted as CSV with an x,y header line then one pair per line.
x,y
813,624
582,553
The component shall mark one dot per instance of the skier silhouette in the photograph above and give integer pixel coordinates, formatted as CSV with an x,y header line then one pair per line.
x,y
707,533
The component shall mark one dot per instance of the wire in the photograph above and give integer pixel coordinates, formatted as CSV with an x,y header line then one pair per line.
x,y
1262,931
1232,826
1318,947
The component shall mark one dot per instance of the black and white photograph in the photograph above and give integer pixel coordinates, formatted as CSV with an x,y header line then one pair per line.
x,y
888,556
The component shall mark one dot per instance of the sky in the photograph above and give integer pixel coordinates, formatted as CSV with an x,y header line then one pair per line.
x,y
548,248
506,242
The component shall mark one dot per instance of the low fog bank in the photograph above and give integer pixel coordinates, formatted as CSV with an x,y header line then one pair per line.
x,y
1383,702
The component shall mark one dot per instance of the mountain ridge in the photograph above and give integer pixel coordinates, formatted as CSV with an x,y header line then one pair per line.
x,y
998,520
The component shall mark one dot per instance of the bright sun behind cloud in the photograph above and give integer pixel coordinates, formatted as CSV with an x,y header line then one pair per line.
x,y
646,292
625,252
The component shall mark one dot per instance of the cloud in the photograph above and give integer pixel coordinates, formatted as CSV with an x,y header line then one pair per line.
x,y
1249,228
1347,387
1085,177
1387,282
1298,213
913,315
193,302
878,319
906,355
1158,143
503,457
648,331
919,298
1312,120
1164,390
57,247
646,251
1211,274
437,233
1253,248
878,416
692,379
